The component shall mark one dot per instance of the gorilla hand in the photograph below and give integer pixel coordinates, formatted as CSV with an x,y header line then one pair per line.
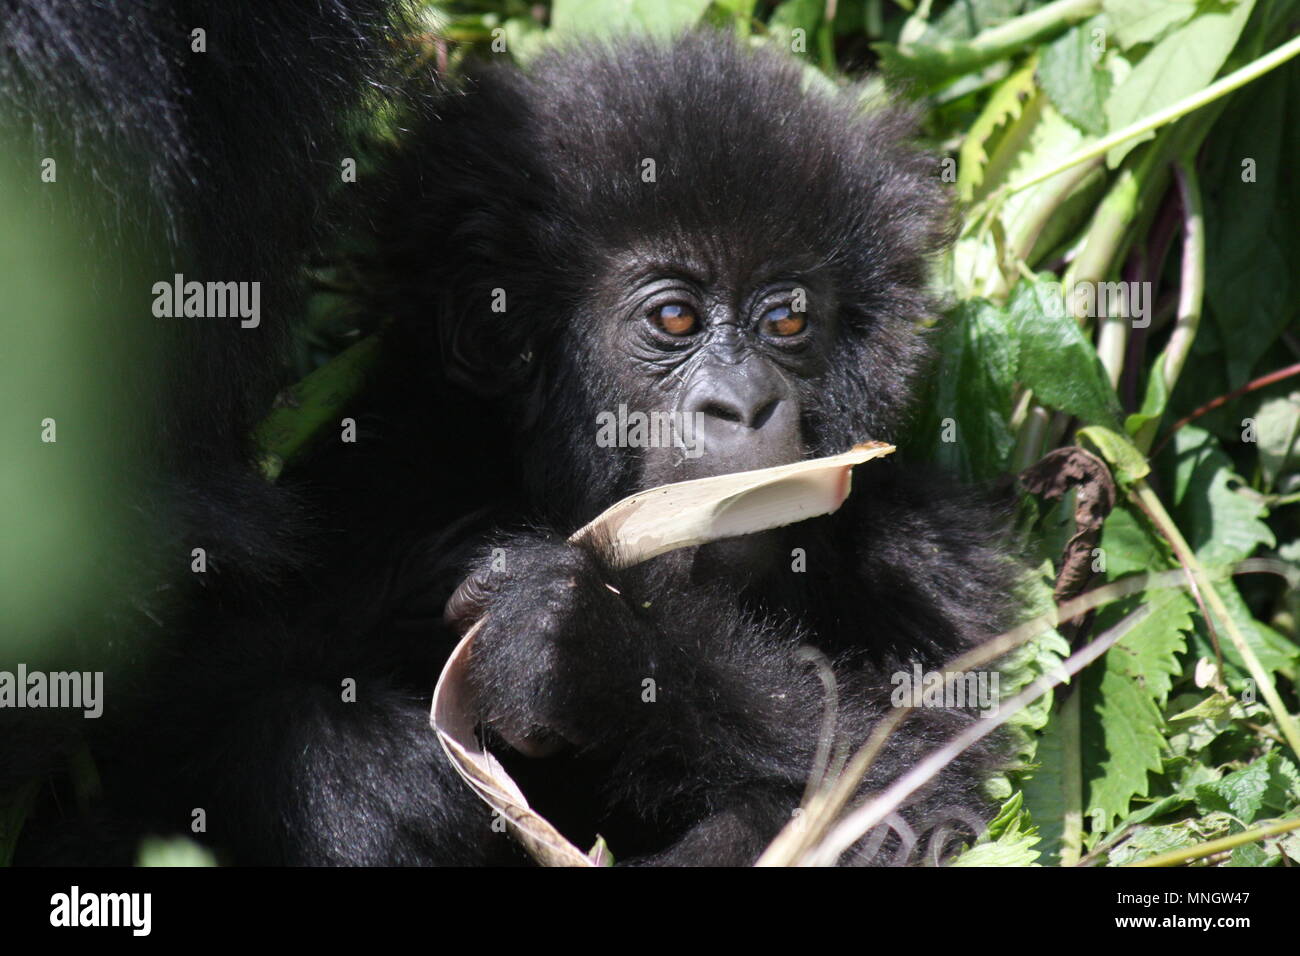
x,y
560,655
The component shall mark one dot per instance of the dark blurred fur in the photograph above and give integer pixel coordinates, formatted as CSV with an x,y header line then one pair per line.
x,y
530,181
217,165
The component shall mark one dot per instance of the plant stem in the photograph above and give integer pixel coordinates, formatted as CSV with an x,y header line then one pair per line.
x,y
1186,855
1222,87
1191,291
1071,778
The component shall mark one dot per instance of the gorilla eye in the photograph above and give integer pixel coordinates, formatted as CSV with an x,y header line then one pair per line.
x,y
676,319
782,323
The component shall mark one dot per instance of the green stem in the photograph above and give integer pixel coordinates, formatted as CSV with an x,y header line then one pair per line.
x,y
1191,292
1071,779
1009,38
1029,440
1201,850
1233,81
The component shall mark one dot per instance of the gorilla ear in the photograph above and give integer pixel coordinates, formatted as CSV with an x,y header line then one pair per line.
x,y
476,359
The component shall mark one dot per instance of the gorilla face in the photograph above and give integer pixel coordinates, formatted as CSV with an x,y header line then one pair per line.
x,y
720,352
709,270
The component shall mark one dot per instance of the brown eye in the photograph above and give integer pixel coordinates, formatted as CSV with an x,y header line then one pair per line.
x,y
676,319
781,323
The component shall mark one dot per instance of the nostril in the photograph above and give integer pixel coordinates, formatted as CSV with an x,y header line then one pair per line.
x,y
751,417
725,412
764,413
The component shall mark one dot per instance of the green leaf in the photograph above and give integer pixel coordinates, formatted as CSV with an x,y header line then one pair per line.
x,y
1150,841
1269,785
1149,653
177,851
1056,360
1278,427
661,18
1127,464
1120,721
1041,655
1004,107
1221,525
1130,545
1276,654
1043,791
1123,740
1134,22
1009,840
1153,401
1184,62
1070,72
304,410
973,388
1252,288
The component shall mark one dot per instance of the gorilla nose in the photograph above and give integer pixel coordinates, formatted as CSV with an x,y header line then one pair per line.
x,y
746,393
747,416
738,405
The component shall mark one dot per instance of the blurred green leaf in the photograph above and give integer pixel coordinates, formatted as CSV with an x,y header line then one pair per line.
x,y
1071,74
661,18
1181,64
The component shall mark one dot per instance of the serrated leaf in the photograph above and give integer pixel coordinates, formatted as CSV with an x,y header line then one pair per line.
x,y
1149,841
1267,785
1005,105
1056,360
1121,725
1035,141
1122,741
1252,854
1149,653
1008,841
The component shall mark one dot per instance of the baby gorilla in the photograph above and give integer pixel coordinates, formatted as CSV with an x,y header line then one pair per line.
x,y
682,228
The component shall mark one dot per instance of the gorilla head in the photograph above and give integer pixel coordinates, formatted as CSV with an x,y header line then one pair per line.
x,y
680,227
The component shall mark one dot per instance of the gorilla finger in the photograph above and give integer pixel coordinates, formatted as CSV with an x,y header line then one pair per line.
x,y
468,602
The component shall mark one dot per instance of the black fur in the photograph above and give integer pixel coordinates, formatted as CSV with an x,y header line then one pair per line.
x,y
216,165
478,432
